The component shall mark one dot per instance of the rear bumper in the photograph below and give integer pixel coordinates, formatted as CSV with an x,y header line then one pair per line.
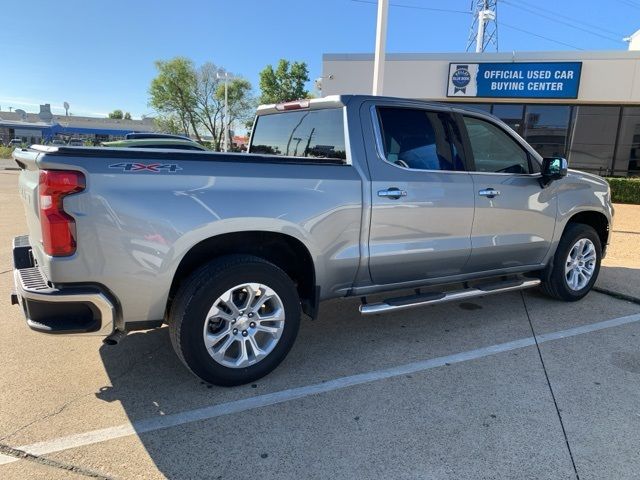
x,y
54,309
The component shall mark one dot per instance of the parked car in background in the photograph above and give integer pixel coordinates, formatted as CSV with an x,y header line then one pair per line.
x,y
177,143
57,142
15,142
141,135
344,196
75,142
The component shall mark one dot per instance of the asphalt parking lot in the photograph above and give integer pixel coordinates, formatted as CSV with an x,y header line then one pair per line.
x,y
510,386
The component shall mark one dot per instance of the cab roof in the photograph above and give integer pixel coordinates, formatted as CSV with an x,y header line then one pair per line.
x,y
337,101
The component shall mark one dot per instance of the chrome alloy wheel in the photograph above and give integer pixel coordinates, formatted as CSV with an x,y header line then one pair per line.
x,y
580,264
244,325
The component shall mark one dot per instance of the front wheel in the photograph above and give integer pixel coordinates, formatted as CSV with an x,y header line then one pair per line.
x,y
235,319
576,263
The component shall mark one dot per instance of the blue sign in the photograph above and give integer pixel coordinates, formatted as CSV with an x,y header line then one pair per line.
x,y
514,80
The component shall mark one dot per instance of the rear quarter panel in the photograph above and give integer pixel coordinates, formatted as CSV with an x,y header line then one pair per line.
x,y
134,227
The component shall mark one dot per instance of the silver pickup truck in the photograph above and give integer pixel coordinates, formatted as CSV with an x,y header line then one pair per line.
x,y
339,197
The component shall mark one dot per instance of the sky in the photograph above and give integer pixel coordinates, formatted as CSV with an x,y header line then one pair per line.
x,y
99,55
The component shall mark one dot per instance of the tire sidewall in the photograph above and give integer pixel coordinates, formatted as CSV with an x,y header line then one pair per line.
x,y
191,339
569,239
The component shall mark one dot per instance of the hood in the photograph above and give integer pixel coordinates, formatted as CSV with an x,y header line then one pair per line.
x,y
588,177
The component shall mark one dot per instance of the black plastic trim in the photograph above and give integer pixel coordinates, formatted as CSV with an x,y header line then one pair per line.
x,y
194,156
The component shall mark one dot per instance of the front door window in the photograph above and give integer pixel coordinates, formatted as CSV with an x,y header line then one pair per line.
x,y
493,150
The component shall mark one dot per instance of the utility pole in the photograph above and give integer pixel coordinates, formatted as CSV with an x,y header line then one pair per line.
x,y
484,27
381,40
225,147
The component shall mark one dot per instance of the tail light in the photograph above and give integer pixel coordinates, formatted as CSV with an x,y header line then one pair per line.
x,y
58,227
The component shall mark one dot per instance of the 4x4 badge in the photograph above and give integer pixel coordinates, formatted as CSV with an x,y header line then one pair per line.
x,y
146,167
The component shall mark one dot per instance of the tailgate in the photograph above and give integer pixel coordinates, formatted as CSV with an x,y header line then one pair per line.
x,y
28,189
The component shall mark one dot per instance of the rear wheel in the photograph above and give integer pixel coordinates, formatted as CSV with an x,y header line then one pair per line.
x,y
235,319
576,263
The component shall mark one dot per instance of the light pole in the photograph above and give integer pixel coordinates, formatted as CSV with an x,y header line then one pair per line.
x,y
381,40
226,109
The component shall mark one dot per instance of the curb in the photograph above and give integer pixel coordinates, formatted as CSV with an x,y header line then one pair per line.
x,y
618,295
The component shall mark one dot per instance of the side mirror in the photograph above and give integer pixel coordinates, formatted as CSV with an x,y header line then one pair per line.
x,y
554,168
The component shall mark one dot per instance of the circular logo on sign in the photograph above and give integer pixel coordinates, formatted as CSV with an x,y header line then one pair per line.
x,y
461,77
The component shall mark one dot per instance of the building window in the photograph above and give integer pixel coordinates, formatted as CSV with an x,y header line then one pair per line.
x,y
511,114
546,128
627,159
593,138
603,139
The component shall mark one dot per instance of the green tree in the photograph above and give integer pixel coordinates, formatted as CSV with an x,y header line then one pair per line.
x,y
191,100
169,124
127,116
286,83
117,114
248,125
173,92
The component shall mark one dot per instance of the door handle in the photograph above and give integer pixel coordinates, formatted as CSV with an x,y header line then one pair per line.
x,y
489,193
393,193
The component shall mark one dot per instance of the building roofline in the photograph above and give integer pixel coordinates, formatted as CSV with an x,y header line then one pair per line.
x,y
569,55
22,124
632,36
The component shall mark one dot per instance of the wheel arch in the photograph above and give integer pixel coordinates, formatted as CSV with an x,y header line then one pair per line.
x,y
595,219
281,249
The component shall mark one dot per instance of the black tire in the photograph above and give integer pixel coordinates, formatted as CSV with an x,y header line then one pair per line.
x,y
555,282
196,296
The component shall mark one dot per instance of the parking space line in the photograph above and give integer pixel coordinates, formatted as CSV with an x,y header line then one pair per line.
x,y
237,406
553,395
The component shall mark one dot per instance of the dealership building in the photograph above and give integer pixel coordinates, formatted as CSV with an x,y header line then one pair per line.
x,y
44,127
584,106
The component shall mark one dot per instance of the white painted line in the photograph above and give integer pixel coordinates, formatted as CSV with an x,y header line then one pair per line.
x,y
213,411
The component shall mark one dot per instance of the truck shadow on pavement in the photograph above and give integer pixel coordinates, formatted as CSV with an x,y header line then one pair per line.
x,y
148,379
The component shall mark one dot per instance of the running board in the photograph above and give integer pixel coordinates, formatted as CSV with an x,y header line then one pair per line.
x,y
420,300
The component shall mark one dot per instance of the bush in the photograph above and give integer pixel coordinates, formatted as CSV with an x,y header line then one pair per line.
x,y
5,152
625,190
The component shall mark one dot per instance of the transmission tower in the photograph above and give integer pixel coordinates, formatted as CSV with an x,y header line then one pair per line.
x,y
484,27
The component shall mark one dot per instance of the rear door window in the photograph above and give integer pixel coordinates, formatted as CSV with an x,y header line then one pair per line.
x,y
301,133
420,139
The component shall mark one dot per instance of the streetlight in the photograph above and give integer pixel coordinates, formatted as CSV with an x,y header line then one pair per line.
x,y
381,40
226,76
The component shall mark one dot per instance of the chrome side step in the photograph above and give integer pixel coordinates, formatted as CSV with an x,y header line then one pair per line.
x,y
404,303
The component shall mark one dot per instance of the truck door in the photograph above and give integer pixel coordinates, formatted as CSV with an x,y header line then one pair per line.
x,y
515,217
422,197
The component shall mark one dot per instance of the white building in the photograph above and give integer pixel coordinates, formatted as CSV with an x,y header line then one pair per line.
x,y
582,105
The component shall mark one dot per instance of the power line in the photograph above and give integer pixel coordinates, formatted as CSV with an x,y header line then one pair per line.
x,y
580,22
416,7
371,2
629,3
502,24
553,19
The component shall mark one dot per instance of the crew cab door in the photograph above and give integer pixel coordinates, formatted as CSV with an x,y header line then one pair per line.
x,y
421,196
514,216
